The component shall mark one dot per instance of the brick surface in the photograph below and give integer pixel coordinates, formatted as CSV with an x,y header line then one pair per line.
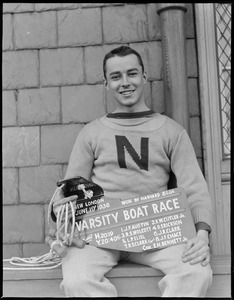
x,y
7,34
191,58
35,249
17,7
55,6
23,223
195,135
130,24
57,142
158,96
20,146
11,250
9,109
20,69
194,108
10,186
70,23
82,103
154,26
37,184
151,53
35,30
189,21
39,106
94,56
47,225
61,66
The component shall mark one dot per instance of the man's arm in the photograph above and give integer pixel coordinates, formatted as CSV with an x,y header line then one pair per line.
x,y
189,176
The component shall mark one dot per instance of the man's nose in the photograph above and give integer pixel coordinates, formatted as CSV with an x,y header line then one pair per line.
x,y
125,81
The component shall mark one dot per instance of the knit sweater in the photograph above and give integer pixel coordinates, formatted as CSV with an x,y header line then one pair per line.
x,y
132,157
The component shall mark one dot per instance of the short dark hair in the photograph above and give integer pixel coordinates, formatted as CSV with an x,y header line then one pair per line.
x,y
121,51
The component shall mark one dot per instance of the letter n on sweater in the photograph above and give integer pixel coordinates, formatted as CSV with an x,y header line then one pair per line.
x,y
123,144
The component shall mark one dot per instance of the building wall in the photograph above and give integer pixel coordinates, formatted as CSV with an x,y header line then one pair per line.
x,y
52,87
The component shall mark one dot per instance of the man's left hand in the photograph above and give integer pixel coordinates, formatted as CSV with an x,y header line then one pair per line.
x,y
197,249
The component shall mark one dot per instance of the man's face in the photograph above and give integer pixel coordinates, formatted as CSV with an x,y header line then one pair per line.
x,y
125,80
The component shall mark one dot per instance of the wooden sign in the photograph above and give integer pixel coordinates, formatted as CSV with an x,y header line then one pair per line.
x,y
144,223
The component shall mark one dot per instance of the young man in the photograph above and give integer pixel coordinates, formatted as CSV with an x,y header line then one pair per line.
x,y
132,152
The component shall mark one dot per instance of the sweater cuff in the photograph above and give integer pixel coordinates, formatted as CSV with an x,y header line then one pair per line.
x,y
202,226
53,216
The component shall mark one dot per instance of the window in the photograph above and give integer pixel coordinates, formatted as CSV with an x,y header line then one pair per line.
x,y
223,38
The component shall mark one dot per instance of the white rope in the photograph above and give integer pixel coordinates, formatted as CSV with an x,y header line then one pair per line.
x,y
64,236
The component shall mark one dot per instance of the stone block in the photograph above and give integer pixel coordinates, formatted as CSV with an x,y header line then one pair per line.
x,y
64,169
37,184
97,4
158,96
194,107
56,6
189,21
20,69
79,27
129,24
17,7
20,146
195,135
10,186
57,142
154,26
82,103
62,66
9,109
11,250
39,106
35,30
47,225
23,223
7,33
35,249
148,94
191,57
94,56
200,162
151,53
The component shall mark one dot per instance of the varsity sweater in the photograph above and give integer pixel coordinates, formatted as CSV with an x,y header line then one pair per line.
x,y
132,157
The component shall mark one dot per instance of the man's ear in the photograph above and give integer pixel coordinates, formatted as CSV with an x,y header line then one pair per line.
x,y
145,77
105,84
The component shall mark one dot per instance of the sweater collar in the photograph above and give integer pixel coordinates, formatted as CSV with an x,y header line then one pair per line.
x,y
127,115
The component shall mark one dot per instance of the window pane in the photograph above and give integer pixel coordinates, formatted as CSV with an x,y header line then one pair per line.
x,y
223,32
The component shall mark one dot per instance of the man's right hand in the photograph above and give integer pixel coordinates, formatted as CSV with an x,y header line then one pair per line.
x,y
59,200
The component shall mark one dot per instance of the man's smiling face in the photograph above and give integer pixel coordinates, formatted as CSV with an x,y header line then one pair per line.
x,y
125,80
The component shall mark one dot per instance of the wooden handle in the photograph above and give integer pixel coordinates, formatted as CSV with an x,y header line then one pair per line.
x,y
78,243
61,251
52,232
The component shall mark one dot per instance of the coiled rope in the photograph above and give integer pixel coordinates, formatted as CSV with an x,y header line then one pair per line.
x,y
64,237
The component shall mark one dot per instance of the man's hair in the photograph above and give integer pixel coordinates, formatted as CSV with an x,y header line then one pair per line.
x,y
121,51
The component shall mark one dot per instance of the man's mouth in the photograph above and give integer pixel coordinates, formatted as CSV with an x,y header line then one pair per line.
x,y
127,93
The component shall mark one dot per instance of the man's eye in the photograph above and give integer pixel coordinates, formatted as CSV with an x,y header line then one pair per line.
x,y
116,77
133,74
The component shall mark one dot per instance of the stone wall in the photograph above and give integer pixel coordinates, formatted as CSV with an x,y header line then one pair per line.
x,y
52,87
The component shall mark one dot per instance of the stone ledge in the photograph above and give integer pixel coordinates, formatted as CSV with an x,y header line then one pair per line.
x,y
221,264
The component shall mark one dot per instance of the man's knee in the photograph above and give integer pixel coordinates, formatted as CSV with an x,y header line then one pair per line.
x,y
207,273
202,275
74,286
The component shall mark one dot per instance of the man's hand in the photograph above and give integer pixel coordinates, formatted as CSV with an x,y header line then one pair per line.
x,y
59,200
197,249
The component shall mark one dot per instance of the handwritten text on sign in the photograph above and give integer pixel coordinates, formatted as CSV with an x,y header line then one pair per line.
x,y
138,224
